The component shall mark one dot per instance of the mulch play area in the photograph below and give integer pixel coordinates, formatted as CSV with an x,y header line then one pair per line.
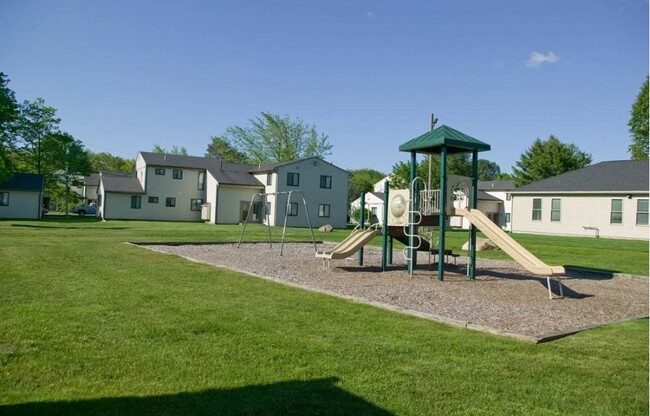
x,y
503,299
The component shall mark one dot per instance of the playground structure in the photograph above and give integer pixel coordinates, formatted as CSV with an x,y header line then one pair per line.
x,y
411,208
355,241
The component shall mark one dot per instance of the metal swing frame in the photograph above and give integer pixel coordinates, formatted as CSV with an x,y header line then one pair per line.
x,y
263,196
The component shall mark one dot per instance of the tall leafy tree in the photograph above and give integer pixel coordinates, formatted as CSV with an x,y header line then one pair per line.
x,y
175,150
487,170
547,158
639,124
457,164
270,138
38,120
104,161
362,180
62,157
221,148
9,119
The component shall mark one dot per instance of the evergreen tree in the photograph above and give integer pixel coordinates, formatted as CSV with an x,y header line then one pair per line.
x,y
547,158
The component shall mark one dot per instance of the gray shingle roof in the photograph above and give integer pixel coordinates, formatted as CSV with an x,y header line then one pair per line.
x,y
484,196
612,176
24,182
122,184
225,173
93,178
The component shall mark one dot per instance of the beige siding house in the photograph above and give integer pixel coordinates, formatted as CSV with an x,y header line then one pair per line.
x,y
609,199
187,188
21,197
323,185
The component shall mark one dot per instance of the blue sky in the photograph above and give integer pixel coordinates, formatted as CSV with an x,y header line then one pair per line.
x,y
125,75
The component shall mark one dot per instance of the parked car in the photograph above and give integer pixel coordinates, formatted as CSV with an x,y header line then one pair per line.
x,y
84,209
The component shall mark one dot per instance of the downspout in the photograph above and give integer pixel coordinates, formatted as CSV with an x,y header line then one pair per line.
x,y
216,205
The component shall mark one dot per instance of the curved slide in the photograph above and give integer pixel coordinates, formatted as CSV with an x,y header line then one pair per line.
x,y
509,245
350,245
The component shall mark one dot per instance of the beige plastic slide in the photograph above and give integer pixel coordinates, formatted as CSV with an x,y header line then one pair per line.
x,y
350,245
509,245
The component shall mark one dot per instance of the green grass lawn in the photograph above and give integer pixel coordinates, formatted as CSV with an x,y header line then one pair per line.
x,y
92,326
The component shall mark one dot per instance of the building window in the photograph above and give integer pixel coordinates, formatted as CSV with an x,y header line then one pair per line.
x,y
195,204
325,181
268,209
177,174
642,212
201,184
136,201
170,202
616,212
373,211
153,199
293,179
4,199
537,209
269,179
555,209
160,171
508,196
507,218
323,210
99,200
293,209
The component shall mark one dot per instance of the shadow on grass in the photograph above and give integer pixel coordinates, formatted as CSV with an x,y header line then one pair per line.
x,y
312,397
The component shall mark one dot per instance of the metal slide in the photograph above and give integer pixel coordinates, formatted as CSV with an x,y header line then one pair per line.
x,y
509,245
350,245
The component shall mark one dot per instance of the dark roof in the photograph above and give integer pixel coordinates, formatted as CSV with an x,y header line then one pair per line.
x,y
496,185
224,172
433,141
24,182
612,176
121,184
484,196
93,178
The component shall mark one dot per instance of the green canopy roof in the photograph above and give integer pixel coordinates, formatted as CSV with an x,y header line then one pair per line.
x,y
434,140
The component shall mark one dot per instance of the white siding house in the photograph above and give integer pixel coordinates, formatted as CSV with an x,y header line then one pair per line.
x,y
21,197
608,198
181,188
374,202
323,185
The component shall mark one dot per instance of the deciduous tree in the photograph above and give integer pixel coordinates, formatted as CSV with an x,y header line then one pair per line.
x,y
104,161
270,138
175,150
9,118
639,124
362,180
547,158
457,164
221,148
38,120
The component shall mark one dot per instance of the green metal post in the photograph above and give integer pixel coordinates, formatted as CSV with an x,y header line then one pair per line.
x,y
362,222
390,250
412,253
472,205
384,230
443,207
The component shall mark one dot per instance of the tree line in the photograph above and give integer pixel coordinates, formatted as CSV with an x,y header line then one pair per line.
x,y
31,141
